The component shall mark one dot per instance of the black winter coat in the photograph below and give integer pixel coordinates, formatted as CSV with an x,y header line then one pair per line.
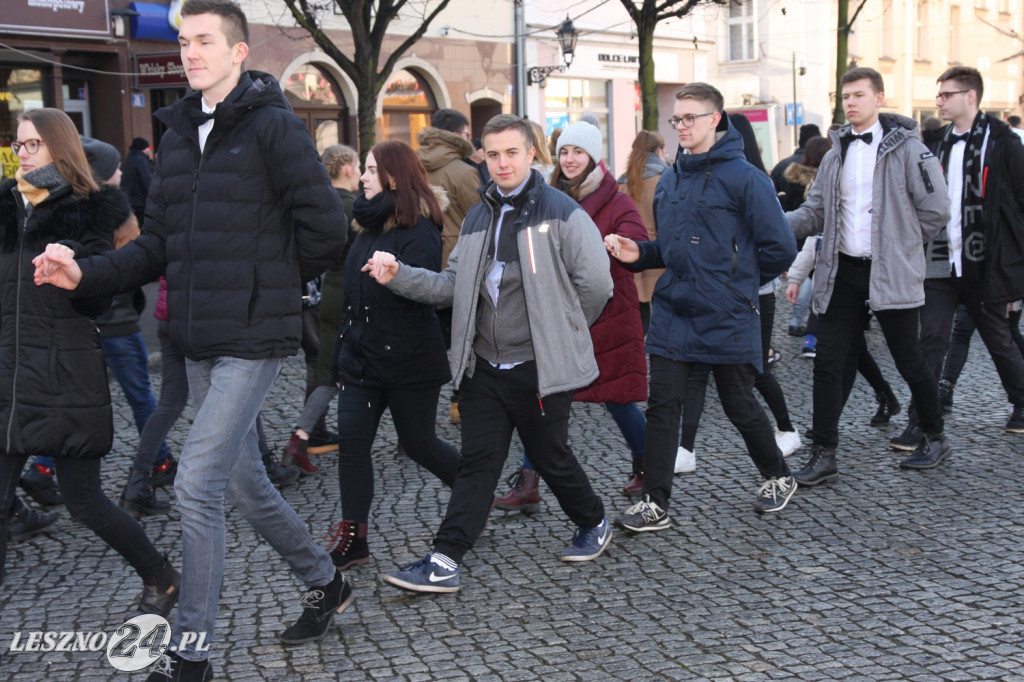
x,y
238,227
53,379
385,339
1003,210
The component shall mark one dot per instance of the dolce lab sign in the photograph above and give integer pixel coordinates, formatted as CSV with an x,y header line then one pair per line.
x,y
56,17
618,61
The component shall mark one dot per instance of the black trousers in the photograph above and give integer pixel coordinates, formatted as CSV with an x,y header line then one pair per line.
x,y
942,296
841,326
669,379
493,402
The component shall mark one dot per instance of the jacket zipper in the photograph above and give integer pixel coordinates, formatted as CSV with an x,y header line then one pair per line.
x,y
191,259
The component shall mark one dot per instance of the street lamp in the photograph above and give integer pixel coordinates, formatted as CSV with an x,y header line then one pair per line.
x,y
567,36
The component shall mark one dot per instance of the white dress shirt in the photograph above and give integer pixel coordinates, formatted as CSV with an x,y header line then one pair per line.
x,y
955,190
855,188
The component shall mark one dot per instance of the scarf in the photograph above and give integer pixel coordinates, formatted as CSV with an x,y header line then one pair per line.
x,y
36,185
971,224
373,214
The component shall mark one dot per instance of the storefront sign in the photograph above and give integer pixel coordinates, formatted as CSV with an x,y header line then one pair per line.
x,y
618,61
56,17
160,71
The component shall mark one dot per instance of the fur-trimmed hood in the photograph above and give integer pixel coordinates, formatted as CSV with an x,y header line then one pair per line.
x,y
392,222
439,147
800,174
61,216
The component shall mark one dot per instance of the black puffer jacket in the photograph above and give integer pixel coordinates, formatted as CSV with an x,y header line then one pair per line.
x,y
238,228
386,339
53,380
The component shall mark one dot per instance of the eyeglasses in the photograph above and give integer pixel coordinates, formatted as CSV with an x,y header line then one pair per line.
x,y
689,120
944,96
31,146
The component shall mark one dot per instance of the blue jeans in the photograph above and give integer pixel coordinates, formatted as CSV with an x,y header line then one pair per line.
x,y
128,360
220,464
173,398
803,303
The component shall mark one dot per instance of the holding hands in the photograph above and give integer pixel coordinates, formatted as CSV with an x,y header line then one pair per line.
x,y
57,266
382,266
622,249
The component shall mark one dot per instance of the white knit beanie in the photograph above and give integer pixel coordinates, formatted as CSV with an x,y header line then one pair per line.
x,y
584,135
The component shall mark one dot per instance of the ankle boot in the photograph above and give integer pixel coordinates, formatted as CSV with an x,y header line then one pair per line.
x,y
351,548
820,468
160,591
279,474
635,485
24,522
946,394
140,497
524,495
888,405
296,453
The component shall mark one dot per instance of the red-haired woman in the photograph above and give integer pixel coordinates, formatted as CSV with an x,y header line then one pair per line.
x,y
390,353
53,378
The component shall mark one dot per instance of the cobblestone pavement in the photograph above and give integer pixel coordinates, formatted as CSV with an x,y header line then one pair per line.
x,y
884,575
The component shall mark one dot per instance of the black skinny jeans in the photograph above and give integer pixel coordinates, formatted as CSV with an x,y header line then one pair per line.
x,y
493,403
79,481
669,379
414,411
841,327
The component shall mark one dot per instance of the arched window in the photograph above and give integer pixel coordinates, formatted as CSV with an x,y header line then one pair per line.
x,y
407,107
316,99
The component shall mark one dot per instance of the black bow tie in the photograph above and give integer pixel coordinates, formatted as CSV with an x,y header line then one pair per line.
x,y
954,138
506,200
200,117
850,137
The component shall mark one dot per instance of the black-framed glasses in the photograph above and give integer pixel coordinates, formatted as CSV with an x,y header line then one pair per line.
x,y
689,120
31,146
944,96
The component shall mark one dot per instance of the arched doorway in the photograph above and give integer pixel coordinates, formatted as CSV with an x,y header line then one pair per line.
x,y
317,100
407,106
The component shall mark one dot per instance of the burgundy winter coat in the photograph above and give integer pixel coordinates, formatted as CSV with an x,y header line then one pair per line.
x,y
617,334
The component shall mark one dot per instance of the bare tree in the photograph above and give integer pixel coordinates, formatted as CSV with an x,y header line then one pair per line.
x,y
368,22
646,14
843,30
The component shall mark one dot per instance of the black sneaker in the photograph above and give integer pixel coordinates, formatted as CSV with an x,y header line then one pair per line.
x,y
908,440
318,608
946,395
163,474
41,485
1016,423
326,437
797,331
643,516
171,667
774,495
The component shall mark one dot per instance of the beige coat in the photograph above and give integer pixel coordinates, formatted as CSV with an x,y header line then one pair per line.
x,y
646,280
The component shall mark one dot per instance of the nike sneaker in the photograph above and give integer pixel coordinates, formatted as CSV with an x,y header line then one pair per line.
x,y
588,543
425,575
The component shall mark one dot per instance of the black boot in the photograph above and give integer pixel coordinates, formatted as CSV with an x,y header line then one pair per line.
x,y
24,522
931,452
171,667
888,405
318,607
140,497
820,468
160,591
946,395
280,474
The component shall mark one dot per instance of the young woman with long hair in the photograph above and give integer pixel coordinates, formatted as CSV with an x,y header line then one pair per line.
x,y
53,379
390,352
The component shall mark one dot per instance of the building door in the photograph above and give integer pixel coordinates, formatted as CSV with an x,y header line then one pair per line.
x,y
317,99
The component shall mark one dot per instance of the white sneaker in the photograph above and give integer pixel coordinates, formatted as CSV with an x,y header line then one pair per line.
x,y
685,462
788,441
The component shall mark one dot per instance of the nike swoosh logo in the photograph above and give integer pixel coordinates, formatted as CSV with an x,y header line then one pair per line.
x,y
435,578
601,538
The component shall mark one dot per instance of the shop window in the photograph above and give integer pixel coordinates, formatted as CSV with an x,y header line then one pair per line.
x,y
407,107
20,90
566,99
317,99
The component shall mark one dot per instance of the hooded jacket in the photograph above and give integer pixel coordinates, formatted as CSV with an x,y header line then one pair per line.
x,y
53,378
443,155
909,207
565,280
617,334
1002,213
721,234
238,227
385,339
